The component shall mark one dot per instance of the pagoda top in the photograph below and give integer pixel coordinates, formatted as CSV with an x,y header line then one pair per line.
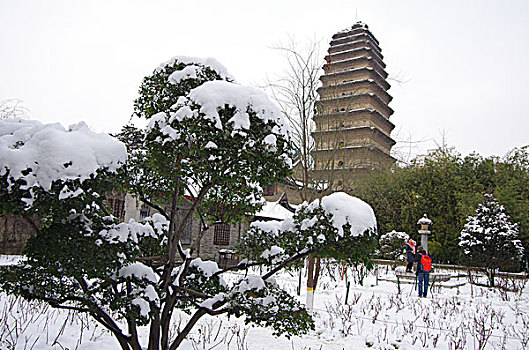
x,y
360,24
358,27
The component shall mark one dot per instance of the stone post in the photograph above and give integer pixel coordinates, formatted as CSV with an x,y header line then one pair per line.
x,y
424,232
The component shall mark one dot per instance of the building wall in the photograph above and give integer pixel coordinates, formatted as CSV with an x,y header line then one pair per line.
x,y
353,88
14,233
209,244
293,192
354,119
351,52
352,75
350,158
353,102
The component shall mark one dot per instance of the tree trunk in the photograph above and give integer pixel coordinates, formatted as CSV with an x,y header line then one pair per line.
x,y
154,334
123,343
313,271
133,330
165,320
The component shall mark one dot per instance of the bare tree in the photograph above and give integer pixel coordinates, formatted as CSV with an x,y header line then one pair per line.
x,y
296,94
13,108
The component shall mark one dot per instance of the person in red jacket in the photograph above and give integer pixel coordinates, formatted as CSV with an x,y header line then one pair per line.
x,y
424,266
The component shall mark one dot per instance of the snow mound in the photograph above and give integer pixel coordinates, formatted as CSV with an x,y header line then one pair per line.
x,y
346,209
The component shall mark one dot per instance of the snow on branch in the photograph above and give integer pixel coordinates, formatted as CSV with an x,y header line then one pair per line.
x,y
326,226
191,70
40,154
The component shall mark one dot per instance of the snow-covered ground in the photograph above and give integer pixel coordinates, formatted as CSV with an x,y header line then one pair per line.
x,y
453,316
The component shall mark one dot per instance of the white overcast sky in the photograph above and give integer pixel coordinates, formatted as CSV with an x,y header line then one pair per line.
x,y
464,64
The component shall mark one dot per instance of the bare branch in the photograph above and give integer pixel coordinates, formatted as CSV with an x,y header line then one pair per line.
x,y
286,263
13,108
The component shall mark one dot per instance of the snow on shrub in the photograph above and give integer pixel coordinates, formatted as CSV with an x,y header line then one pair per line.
x,y
338,225
35,155
392,244
489,239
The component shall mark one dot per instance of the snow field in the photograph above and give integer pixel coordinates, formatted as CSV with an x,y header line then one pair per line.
x,y
376,316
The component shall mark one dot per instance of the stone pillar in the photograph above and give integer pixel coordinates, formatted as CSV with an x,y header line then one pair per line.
x,y
424,232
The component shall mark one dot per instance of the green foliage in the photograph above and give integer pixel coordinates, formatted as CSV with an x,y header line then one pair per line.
x,y
68,251
313,230
273,307
175,150
392,244
448,188
158,94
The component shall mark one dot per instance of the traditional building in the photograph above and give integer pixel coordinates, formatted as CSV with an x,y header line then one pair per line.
x,y
352,134
217,242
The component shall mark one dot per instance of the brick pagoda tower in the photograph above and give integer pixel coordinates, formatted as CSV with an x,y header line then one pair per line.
x,y
352,134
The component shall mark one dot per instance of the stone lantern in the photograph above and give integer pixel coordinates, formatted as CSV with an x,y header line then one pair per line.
x,y
424,231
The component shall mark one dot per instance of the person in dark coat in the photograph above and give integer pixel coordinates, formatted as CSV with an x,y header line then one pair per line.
x,y
410,255
424,266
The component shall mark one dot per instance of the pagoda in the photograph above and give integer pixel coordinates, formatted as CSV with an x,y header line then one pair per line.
x,y
352,134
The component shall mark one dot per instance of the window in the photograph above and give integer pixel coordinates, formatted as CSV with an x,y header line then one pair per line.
x,y
144,211
221,234
186,234
117,207
270,190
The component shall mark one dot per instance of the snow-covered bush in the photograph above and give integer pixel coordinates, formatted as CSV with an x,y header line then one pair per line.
x,y
338,226
207,139
392,244
490,240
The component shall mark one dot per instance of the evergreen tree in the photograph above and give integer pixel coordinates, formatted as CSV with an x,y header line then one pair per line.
x,y
489,240
392,244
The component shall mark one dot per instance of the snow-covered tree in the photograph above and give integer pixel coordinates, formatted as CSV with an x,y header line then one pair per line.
x,y
392,244
489,240
207,138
